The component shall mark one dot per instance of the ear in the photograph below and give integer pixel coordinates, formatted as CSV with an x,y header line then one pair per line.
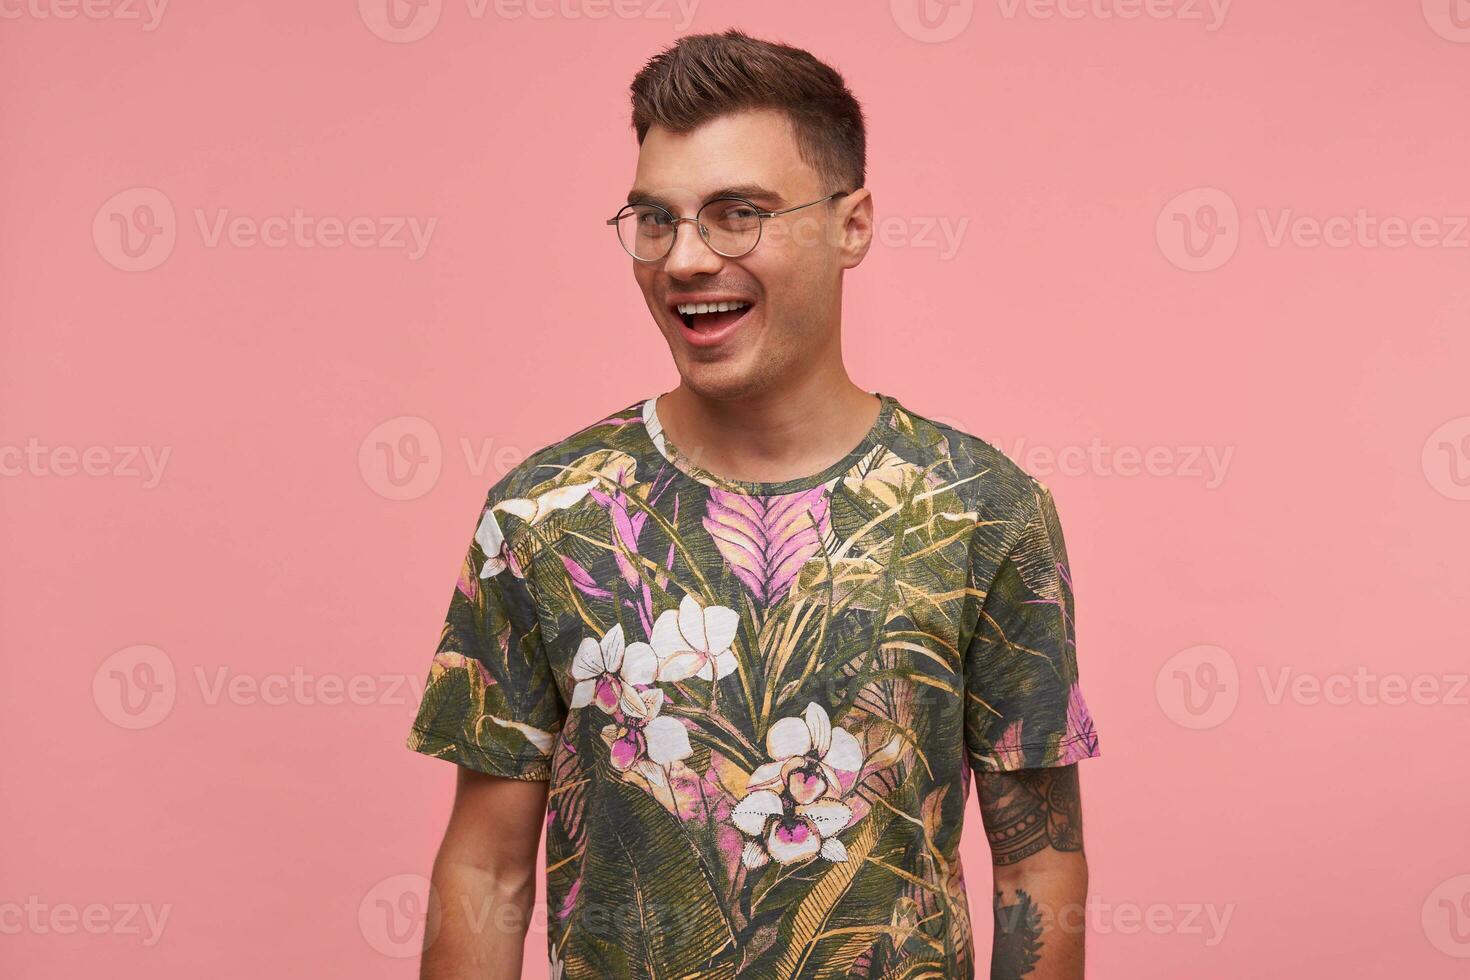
x,y
855,214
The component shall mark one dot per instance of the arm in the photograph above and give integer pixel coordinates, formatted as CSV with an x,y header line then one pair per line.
x,y
1033,820
484,879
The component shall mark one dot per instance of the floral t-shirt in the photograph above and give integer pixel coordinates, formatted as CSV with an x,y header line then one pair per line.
x,y
758,705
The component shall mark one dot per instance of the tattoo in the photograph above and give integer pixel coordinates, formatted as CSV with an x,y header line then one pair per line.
x,y
1029,810
1017,938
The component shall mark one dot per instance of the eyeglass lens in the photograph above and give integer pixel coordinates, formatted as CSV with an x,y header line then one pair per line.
x,y
731,228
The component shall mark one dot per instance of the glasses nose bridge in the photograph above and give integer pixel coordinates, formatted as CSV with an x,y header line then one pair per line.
x,y
699,227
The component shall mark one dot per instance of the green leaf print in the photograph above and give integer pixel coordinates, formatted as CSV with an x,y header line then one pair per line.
x,y
758,706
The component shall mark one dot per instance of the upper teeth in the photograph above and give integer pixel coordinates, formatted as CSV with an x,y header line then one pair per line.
x,y
687,308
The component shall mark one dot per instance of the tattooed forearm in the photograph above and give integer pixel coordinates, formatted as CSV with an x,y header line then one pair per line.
x,y
1029,810
1033,820
1017,937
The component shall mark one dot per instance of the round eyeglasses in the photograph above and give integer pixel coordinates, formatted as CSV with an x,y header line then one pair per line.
x,y
730,226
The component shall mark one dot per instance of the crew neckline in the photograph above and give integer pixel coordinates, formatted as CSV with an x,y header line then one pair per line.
x,y
653,429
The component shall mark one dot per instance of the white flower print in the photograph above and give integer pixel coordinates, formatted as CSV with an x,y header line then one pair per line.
x,y
809,757
640,735
792,810
602,669
787,831
532,510
694,641
492,542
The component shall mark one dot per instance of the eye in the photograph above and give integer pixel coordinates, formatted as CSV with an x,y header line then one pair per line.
x,y
738,212
652,217
734,215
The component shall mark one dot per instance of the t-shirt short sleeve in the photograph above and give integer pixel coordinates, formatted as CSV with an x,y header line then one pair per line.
x,y
491,703
1023,704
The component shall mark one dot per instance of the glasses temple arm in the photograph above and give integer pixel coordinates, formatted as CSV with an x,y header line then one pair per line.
x,y
829,197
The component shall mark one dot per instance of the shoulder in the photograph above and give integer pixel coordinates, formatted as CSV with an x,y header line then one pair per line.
x,y
573,464
984,478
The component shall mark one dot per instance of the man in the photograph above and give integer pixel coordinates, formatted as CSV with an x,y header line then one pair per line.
x,y
740,646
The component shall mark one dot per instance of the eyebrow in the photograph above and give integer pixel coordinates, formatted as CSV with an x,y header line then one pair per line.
x,y
751,192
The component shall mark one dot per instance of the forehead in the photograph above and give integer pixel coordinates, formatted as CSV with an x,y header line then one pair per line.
x,y
754,147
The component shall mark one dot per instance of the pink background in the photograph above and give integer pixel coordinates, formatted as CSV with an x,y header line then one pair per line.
x,y
272,821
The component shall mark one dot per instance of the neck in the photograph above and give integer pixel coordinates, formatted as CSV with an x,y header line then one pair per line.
x,y
785,431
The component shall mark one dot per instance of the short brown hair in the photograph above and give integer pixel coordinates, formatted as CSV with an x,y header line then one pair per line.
x,y
703,76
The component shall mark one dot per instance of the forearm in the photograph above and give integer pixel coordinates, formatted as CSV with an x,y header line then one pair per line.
x,y
1040,918
1033,820
477,928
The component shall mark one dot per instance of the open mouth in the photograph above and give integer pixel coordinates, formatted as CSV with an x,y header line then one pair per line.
x,y
707,316
711,319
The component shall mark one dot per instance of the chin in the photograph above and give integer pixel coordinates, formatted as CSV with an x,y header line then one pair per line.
x,y
722,381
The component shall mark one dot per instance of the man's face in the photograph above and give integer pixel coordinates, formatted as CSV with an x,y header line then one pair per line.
x,y
793,278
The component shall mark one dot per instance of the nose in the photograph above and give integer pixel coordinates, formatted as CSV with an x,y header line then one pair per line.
x,y
691,255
